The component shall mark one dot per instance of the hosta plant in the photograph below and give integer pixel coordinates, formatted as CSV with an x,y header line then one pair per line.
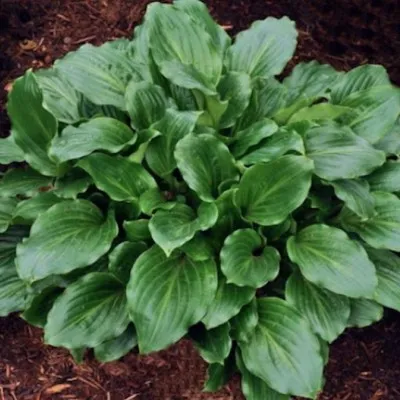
x,y
172,186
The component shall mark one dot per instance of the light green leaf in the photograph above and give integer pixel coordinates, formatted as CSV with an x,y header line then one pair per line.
x,y
68,236
170,229
381,231
90,311
264,49
387,266
114,349
227,303
120,178
7,209
244,323
356,195
9,151
101,133
30,209
283,185
326,312
319,112
252,136
340,154
154,199
390,143
138,230
122,258
205,162
168,295
33,127
330,259
255,388
283,351
274,147
218,375
146,103
173,127
72,184
386,178
364,312
245,261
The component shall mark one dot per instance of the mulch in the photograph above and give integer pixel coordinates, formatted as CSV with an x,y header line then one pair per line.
x,y
364,364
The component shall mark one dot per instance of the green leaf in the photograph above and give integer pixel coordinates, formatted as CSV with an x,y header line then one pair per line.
x,y
90,311
114,349
168,295
364,312
340,154
283,351
271,148
319,112
122,258
154,199
30,209
36,313
252,136
245,261
326,312
170,229
205,162
390,143
386,178
214,345
101,133
264,49
227,303
72,184
381,231
173,127
218,375
33,127
7,209
358,80
356,195
283,185
138,230
236,88
387,266
70,235
330,259
244,323
120,178
9,151
9,241
26,182
255,388
181,44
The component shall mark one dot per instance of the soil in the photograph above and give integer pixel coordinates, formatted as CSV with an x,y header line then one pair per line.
x,y
364,364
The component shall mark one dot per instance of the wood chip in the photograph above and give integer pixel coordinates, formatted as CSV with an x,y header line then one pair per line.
x,y
57,388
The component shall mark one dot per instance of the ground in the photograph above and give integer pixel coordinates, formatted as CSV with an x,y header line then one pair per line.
x,y
364,364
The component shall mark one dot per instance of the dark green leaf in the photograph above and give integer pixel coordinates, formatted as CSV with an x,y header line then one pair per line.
x,y
154,199
137,230
72,184
218,375
7,209
386,178
244,323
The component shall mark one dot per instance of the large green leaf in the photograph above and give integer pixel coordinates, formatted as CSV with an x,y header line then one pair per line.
x,y
101,133
70,235
356,195
120,178
30,209
72,184
340,154
168,295
173,127
245,261
319,112
33,127
330,259
7,209
390,143
244,323
283,185
364,312
381,231
327,312
264,49
170,229
9,241
205,162
114,349
9,151
137,230
387,266
255,388
227,303
283,351
90,311
386,178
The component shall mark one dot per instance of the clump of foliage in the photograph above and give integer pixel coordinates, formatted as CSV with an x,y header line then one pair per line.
x,y
173,186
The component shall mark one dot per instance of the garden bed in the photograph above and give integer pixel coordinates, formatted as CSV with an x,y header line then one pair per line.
x,y
363,365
